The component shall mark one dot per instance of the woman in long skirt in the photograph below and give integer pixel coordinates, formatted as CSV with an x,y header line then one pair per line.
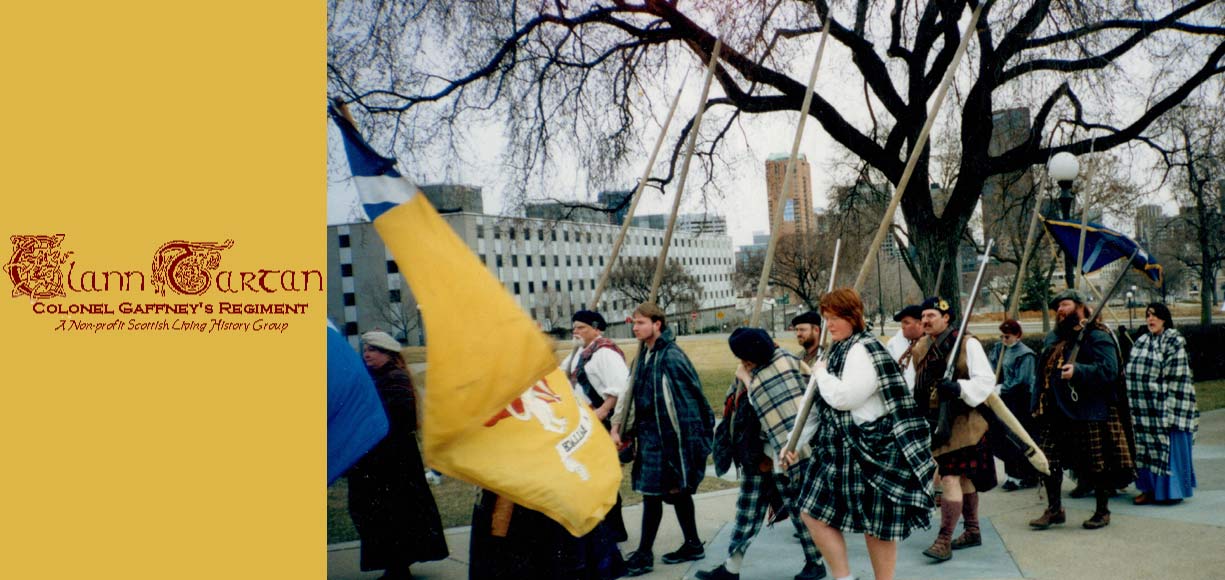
x,y
1162,396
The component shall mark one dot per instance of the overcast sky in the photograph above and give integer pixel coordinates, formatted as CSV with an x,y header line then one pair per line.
x,y
748,145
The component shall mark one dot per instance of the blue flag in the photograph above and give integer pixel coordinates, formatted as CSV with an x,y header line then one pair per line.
x,y
356,420
1102,246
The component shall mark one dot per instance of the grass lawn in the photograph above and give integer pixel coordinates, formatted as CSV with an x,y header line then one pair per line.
x,y
1210,395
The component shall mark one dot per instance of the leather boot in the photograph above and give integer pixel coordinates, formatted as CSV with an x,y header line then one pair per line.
x,y
1048,518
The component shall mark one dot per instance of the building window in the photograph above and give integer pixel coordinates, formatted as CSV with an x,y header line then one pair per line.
x,y
531,289
343,240
392,267
570,285
557,285
346,269
516,287
350,299
543,263
567,261
553,235
498,259
511,231
789,211
529,261
497,234
554,261
480,232
395,296
601,261
590,260
514,260
580,284
350,328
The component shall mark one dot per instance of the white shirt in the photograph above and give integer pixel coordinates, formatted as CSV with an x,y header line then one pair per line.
x,y
856,391
606,370
981,383
897,347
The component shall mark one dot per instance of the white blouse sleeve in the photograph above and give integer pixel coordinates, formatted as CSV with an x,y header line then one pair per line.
x,y
608,373
981,383
857,384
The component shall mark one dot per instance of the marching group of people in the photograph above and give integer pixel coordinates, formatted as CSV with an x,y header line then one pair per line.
x,y
892,434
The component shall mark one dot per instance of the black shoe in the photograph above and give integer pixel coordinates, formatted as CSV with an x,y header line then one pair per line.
x,y
1028,484
1010,485
719,573
811,571
685,553
639,563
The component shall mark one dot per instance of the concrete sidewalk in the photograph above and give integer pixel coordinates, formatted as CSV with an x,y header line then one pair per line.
x,y
1181,541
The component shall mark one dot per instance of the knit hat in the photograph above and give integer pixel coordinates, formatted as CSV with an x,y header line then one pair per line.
x,y
752,344
913,310
810,317
590,318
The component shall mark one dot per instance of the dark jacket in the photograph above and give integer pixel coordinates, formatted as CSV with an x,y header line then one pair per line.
x,y
390,502
1095,380
673,422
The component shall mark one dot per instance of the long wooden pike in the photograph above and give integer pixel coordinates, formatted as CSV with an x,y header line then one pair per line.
x,y
810,393
1084,215
680,186
623,414
629,215
921,142
776,220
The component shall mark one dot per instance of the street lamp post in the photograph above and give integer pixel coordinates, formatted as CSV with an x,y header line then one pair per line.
x,y
1131,308
1063,168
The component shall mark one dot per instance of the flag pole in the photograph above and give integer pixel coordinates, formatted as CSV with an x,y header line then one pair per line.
x,y
776,220
680,187
887,218
1084,215
637,196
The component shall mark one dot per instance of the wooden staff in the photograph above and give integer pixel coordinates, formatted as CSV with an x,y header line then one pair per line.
x,y
776,220
887,218
1084,217
680,187
621,418
629,215
810,393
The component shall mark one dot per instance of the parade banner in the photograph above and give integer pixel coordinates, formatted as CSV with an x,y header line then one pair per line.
x,y
498,411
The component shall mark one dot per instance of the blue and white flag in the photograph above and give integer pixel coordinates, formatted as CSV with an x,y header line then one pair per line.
x,y
1102,246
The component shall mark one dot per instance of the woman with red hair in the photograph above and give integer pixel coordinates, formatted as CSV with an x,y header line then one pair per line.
x,y
873,465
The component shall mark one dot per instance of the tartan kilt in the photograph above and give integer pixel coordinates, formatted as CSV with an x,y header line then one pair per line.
x,y
1095,448
975,462
848,504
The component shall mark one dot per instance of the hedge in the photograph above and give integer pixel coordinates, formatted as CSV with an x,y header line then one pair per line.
x,y
1204,347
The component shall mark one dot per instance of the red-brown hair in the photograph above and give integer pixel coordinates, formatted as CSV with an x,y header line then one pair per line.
x,y
845,304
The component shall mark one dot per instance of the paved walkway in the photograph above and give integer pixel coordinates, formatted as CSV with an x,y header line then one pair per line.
x,y
1182,541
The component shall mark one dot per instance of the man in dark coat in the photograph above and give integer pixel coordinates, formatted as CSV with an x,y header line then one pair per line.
x,y
1016,382
672,425
1078,410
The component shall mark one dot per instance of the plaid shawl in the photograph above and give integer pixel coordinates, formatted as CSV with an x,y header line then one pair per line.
x,y
673,422
776,394
891,454
1162,396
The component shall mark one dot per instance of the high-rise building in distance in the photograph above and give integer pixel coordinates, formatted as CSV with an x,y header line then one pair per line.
x,y
797,213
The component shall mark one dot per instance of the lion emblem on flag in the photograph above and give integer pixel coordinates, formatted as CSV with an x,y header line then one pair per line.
x,y
534,403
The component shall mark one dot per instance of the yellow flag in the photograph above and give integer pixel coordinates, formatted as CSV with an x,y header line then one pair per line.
x,y
498,411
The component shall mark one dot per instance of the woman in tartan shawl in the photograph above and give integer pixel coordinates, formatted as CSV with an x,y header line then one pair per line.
x,y
1162,397
873,467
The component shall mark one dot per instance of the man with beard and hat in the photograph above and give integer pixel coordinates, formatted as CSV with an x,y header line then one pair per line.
x,y
963,457
807,332
902,346
758,416
1079,409
599,375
